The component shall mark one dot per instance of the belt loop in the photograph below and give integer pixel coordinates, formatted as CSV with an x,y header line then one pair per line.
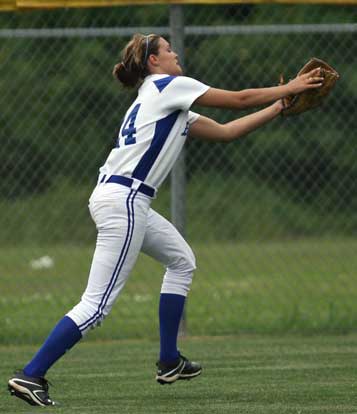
x,y
101,179
135,184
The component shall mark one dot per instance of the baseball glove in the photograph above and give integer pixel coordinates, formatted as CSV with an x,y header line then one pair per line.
x,y
310,98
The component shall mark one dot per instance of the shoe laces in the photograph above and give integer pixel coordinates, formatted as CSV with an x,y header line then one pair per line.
x,y
44,384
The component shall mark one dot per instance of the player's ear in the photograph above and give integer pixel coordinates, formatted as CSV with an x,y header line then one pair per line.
x,y
153,60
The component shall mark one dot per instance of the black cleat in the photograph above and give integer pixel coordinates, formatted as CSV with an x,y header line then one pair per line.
x,y
32,390
182,369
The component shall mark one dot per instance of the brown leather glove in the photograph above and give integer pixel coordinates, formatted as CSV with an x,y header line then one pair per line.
x,y
310,98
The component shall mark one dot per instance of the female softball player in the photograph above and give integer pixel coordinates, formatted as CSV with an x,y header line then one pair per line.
x,y
151,137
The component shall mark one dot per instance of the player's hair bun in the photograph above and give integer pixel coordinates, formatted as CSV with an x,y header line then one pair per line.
x,y
133,66
123,75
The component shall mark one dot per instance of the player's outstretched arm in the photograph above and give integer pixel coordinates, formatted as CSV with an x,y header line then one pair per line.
x,y
209,130
248,98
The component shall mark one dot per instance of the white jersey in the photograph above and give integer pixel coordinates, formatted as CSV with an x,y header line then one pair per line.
x,y
154,129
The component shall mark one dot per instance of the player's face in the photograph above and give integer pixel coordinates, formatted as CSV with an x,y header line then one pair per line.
x,y
167,59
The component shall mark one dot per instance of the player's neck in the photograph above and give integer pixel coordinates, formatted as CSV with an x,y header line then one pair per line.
x,y
158,71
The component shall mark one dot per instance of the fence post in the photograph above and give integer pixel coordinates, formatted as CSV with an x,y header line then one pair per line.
x,y
178,174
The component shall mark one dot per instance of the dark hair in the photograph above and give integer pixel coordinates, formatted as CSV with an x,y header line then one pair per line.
x,y
133,66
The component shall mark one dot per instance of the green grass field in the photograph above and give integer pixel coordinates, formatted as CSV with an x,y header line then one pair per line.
x,y
242,374
289,308
307,286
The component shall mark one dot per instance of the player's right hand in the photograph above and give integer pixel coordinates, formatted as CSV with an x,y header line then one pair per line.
x,y
310,80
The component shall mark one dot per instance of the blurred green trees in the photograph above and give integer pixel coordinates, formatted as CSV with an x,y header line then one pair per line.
x,y
60,107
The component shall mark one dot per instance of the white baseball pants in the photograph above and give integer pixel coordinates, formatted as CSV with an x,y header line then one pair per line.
x,y
127,225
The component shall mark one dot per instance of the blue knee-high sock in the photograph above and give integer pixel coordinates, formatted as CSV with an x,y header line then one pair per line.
x,y
62,338
170,312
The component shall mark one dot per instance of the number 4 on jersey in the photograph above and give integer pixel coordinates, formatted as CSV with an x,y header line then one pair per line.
x,y
129,130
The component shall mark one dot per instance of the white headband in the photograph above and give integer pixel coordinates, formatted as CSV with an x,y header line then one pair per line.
x,y
146,49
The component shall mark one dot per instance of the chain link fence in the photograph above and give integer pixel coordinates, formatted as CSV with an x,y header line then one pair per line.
x,y
272,218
